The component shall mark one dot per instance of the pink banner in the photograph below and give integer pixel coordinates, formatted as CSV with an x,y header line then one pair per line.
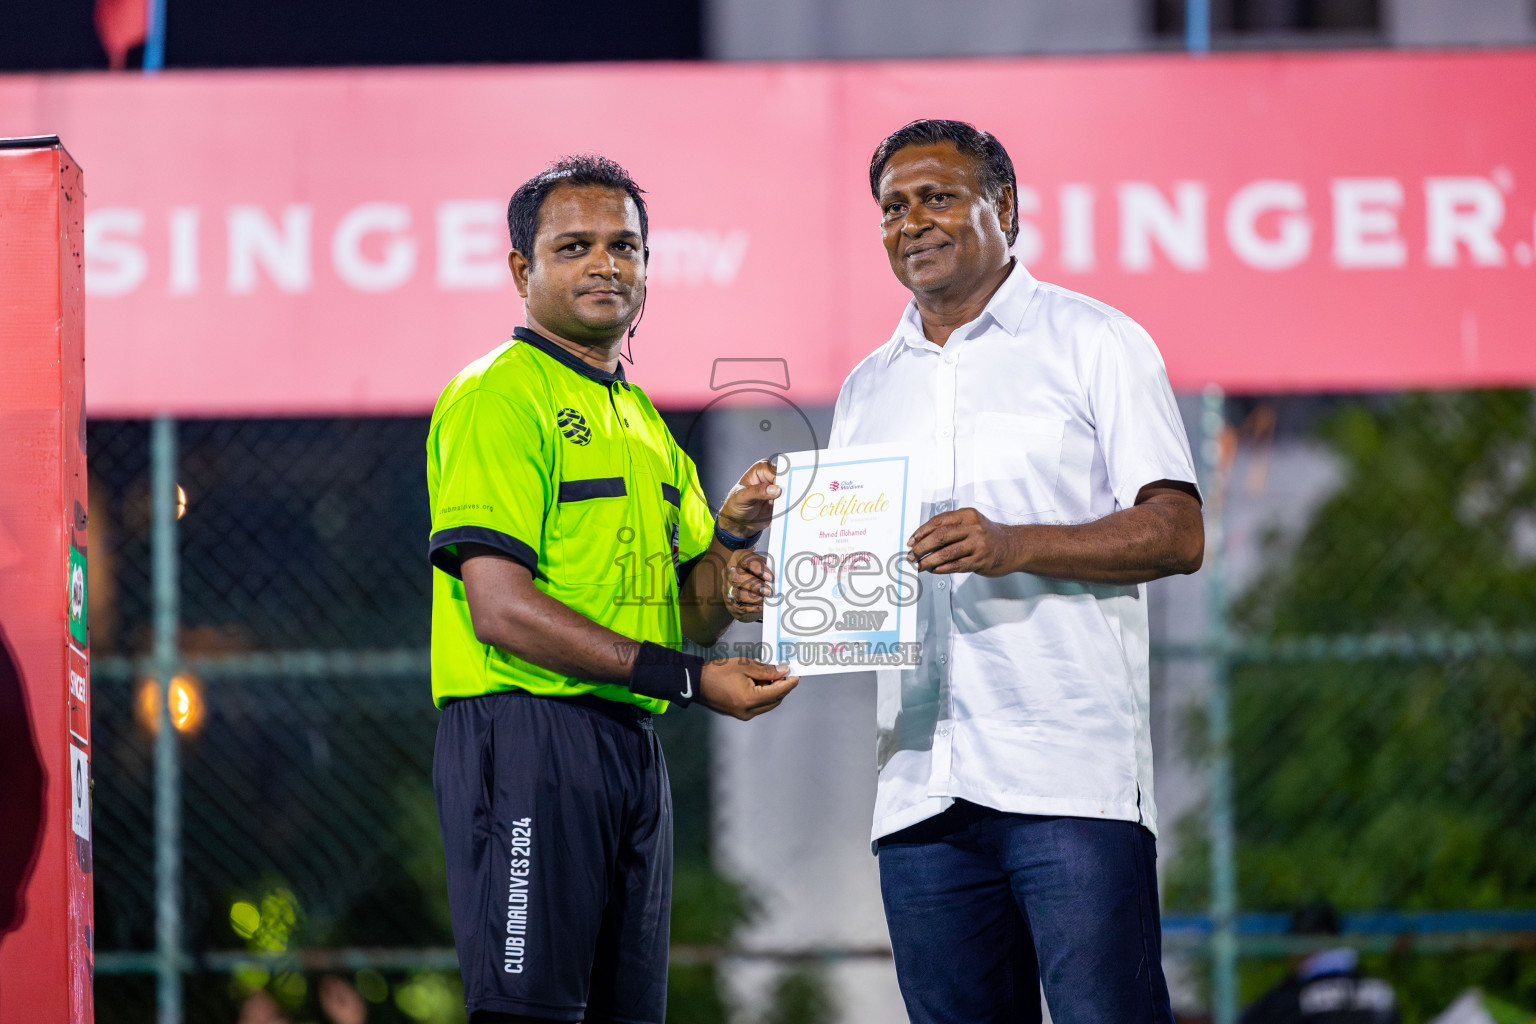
x,y
332,241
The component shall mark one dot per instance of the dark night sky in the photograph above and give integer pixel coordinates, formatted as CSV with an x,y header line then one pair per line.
x,y
47,35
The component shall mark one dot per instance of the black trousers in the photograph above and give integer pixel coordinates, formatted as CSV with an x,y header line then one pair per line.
x,y
556,816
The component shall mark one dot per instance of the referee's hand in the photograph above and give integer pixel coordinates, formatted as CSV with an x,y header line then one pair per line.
x,y
749,507
748,580
744,688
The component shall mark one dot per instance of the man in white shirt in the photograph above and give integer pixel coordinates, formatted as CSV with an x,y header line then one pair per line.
x,y
1014,819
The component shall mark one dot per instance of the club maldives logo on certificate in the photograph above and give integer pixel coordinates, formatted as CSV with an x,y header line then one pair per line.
x,y
845,595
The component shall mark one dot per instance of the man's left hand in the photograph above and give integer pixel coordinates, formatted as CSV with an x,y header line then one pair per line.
x,y
748,580
749,507
963,541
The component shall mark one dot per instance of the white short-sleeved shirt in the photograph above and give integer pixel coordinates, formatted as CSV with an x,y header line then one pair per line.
x,y
1032,693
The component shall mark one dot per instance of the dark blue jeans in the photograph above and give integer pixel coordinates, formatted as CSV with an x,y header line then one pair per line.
x,y
984,907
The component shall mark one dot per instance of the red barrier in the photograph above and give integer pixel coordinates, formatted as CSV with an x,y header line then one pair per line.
x,y
45,838
331,241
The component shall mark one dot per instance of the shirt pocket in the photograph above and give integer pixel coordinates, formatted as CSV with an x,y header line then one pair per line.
x,y
593,519
1015,462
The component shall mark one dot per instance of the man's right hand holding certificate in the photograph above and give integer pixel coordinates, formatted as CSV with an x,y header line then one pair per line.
x,y
1159,534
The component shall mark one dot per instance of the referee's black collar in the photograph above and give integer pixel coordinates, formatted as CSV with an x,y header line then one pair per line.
x,y
562,355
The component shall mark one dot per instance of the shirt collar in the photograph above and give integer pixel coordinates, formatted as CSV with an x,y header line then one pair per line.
x,y
562,355
1006,308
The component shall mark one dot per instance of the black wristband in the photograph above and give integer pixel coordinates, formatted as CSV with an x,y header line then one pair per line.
x,y
730,540
665,674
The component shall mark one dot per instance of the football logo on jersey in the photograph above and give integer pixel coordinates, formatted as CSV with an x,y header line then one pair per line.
x,y
573,425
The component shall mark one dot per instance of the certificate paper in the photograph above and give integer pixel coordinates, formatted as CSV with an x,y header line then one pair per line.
x,y
844,594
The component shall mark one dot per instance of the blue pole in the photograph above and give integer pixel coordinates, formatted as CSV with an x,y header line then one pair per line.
x,y
154,40
1197,25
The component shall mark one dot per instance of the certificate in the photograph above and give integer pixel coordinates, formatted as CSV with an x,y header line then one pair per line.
x,y
844,594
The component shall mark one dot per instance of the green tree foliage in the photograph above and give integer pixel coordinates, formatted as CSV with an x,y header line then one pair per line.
x,y
707,908
1433,528
801,996
1398,784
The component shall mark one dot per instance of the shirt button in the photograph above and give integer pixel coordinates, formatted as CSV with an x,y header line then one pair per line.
x,y
943,584
946,432
949,357
943,659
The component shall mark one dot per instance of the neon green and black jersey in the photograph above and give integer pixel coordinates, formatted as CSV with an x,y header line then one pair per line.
x,y
570,471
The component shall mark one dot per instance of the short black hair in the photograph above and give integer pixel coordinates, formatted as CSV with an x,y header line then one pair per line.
x,y
994,168
583,169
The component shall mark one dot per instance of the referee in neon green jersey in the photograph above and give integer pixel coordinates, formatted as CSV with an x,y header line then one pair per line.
x,y
572,550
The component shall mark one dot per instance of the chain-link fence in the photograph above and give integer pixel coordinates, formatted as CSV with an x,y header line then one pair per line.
x,y
1357,726
1379,666
302,724
301,737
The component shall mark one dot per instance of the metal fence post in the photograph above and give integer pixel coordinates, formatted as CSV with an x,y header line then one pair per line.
x,y
167,612
1223,867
